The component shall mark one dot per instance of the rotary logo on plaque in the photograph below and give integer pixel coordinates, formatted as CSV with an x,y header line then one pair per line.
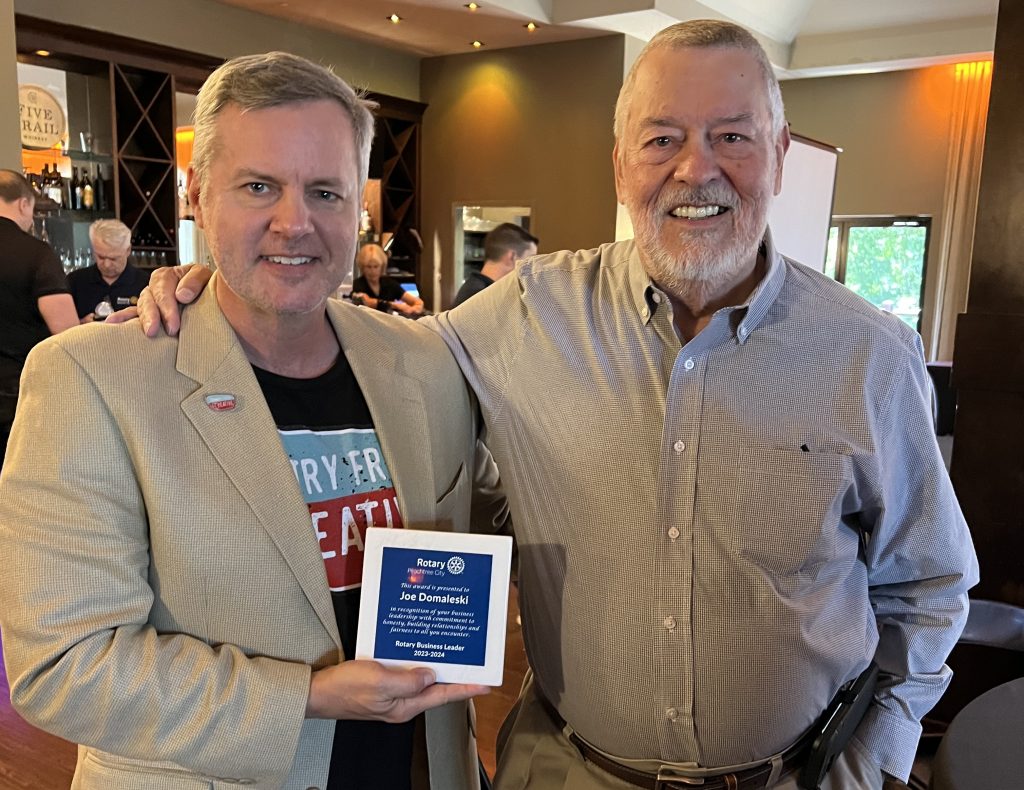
x,y
456,565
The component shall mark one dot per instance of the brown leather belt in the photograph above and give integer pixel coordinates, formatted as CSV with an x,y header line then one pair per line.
x,y
754,778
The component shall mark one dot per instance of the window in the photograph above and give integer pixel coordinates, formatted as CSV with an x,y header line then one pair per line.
x,y
882,260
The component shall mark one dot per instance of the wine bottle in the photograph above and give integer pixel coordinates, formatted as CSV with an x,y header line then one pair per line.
x,y
76,189
99,190
55,187
46,183
65,192
88,193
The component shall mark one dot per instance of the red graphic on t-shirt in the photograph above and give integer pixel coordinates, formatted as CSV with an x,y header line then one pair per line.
x,y
340,526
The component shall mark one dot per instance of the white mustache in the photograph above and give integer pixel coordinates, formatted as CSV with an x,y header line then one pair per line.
x,y
705,196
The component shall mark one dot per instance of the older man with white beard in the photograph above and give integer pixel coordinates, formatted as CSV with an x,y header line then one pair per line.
x,y
727,494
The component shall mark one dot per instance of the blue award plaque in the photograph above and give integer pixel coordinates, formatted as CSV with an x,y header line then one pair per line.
x,y
436,599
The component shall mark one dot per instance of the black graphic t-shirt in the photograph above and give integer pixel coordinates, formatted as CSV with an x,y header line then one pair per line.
x,y
328,433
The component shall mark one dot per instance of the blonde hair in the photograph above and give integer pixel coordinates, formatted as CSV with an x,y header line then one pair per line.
x,y
371,251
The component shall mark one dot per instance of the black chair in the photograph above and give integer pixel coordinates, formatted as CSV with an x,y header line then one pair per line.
x,y
994,624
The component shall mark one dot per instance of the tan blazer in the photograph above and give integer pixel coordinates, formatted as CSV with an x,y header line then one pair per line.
x,y
163,595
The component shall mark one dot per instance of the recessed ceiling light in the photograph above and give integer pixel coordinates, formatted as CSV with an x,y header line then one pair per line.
x,y
476,44
531,26
43,53
472,6
394,19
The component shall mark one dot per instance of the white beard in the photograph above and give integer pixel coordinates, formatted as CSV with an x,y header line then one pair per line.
x,y
702,269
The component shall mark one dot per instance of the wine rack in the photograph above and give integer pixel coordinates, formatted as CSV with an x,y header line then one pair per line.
x,y
145,190
394,159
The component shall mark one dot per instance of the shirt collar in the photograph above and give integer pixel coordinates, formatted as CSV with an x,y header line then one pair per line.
x,y
640,286
647,297
122,277
764,295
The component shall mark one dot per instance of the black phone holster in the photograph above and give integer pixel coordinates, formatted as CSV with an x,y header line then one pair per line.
x,y
836,726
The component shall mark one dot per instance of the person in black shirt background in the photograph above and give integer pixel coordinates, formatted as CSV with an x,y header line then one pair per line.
x,y
34,302
112,283
503,246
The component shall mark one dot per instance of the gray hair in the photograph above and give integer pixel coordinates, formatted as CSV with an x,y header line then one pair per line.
x,y
705,33
254,82
112,232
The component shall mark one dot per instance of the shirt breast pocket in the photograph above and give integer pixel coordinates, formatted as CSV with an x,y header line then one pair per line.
x,y
788,508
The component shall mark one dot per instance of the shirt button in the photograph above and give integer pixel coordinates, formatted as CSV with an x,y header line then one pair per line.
x,y
673,533
679,446
672,714
656,297
688,364
670,623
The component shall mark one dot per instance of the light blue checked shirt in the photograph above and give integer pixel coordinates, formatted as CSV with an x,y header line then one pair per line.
x,y
692,579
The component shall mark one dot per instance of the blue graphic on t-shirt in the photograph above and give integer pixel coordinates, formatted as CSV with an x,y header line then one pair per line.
x,y
346,483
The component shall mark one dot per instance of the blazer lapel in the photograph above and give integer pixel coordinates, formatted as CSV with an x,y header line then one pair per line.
x,y
245,443
397,406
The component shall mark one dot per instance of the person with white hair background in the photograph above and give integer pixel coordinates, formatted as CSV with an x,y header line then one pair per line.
x,y
111,283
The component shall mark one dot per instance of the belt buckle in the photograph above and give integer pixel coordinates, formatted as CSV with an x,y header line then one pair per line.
x,y
667,779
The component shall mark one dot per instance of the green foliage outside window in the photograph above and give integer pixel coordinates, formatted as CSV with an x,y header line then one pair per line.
x,y
884,264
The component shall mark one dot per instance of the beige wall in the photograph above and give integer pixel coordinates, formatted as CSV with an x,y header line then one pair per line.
x,y
10,129
220,30
530,126
894,131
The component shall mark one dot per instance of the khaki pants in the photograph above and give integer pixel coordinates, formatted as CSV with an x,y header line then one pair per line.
x,y
533,754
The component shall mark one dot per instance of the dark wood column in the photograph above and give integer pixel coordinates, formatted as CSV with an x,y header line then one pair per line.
x,y
988,371
988,358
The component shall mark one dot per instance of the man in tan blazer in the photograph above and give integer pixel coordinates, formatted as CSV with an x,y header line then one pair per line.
x,y
167,601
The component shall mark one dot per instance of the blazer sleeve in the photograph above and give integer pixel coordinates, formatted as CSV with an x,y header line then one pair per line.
x,y
489,512
82,659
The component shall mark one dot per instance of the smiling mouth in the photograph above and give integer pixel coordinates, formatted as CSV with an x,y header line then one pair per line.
x,y
288,260
698,212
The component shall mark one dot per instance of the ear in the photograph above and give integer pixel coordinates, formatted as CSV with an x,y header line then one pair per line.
x,y
192,190
619,181
781,146
26,209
